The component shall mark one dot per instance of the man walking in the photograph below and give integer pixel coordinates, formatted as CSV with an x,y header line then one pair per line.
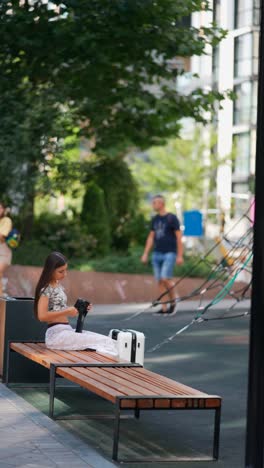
x,y
166,238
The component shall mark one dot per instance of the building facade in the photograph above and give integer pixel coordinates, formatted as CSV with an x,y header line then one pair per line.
x,y
233,65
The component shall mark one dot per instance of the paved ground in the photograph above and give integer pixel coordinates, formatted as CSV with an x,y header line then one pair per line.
x,y
29,439
211,356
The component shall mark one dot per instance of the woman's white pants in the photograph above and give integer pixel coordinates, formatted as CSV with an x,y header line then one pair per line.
x,y
65,338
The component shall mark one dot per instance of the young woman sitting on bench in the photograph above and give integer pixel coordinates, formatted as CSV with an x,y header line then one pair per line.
x,y
51,307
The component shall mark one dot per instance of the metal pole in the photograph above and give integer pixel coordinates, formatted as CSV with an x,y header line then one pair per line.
x,y
255,404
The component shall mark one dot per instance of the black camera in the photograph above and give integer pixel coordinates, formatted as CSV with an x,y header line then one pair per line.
x,y
81,305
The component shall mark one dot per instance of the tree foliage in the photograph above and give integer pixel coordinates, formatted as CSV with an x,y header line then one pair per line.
x,y
101,66
94,217
108,62
185,166
121,196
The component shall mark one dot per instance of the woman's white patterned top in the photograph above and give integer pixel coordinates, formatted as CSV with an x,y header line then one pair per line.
x,y
57,297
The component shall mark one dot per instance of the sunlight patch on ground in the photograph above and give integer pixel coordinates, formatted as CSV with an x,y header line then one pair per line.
x,y
234,424
173,357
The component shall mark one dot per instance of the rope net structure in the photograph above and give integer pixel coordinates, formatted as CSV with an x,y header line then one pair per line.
x,y
234,268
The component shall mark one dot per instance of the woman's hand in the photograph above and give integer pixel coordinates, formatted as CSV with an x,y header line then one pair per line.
x,y
71,311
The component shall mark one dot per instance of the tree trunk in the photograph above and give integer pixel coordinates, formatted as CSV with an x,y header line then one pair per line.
x,y
28,216
28,209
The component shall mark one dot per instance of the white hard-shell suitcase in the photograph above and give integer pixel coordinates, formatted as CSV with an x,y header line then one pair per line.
x,y
131,344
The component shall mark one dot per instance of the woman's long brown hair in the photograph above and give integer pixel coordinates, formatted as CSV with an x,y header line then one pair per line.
x,y
53,261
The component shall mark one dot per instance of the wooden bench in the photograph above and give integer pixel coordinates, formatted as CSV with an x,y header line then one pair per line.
x,y
128,386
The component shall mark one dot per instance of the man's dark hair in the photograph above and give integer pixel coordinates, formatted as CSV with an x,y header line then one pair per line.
x,y
159,196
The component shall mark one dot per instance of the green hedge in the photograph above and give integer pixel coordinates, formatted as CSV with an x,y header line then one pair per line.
x,y
35,252
130,263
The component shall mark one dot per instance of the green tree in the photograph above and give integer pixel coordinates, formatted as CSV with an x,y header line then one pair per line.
x,y
185,166
101,66
31,131
94,217
114,177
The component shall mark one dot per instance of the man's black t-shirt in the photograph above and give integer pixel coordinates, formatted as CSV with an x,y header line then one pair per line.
x,y
164,228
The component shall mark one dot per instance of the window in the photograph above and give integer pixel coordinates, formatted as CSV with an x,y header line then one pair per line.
x,y
241,165
242,104
245,105
240,202
256,12
254,104
243,13
247,13
255,53
243,55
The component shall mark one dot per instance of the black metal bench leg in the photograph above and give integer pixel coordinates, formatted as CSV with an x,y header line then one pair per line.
x,y
217,433
116,430
6,377
137,413
52,390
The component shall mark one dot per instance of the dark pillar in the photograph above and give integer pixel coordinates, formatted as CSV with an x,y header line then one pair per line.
x,y
255,408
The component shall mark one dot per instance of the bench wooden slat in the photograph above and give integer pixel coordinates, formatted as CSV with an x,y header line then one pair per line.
x,y
114,375
59,354
116,388
148,403
63,357
84,356
153,387
156,389
156,380
161,385
174,387
85,381
97,356
51,356
30,354
161,378
44,356
115,382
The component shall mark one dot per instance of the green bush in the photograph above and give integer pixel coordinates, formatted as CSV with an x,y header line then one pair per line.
x,y
80,250
194,267
56,232
94,218
31,253
115,263
114,177
130,263
136,230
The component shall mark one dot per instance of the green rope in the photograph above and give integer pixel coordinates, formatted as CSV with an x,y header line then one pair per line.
x,y
223,293
225,290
